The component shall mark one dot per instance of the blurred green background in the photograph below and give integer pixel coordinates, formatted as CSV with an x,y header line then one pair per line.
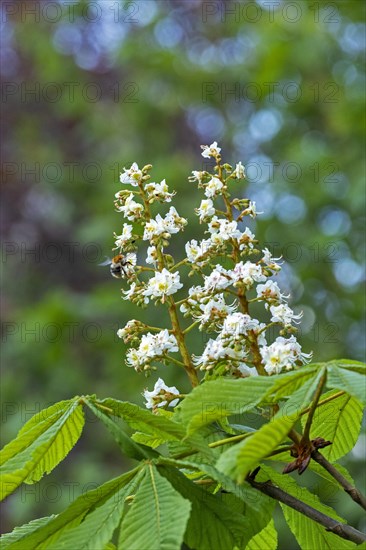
x,y
90,87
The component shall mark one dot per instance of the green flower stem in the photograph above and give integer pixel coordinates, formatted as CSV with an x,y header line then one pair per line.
x,y
147,210
214,444
175,361
176,329
178,333
280,450
179,264
228,440
143,268
155,329
188,329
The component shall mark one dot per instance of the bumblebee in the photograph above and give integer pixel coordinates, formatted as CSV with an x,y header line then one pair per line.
x,y
121,266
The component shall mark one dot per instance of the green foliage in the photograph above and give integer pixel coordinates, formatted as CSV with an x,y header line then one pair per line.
x,y
265,539
349,381
308,533
157,517
41,444
338,421
221,398
41,536
211,519
169,499
240,459
319,55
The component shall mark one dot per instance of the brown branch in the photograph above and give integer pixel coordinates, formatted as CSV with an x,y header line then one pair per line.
x,y
353,492
342,530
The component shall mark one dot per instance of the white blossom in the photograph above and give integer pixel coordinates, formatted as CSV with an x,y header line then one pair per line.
x,y
151,257
218,279
214,351
173,221
247,273
206,209
247,371
125,236
197,176
284,314
239,171
131,175
210,150
158,397
271,262
134,359
159,191
154,228
152,346
214,309
223,229
196,294
283,353
252,210
132,293
195,250
270,292
121,333
165,341
213,187
246,239
130,329
131,209
238,324
163,284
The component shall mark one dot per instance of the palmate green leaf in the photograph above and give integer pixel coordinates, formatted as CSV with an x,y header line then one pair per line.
x,y
128,446
34,453
303,396
286,384
220,398
97,528
20,532
212,524
309,534
147,440
35,426
351,382
241,458
264,540
338,421
158,515
48,534
150,440
350,365
159,426
256,507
